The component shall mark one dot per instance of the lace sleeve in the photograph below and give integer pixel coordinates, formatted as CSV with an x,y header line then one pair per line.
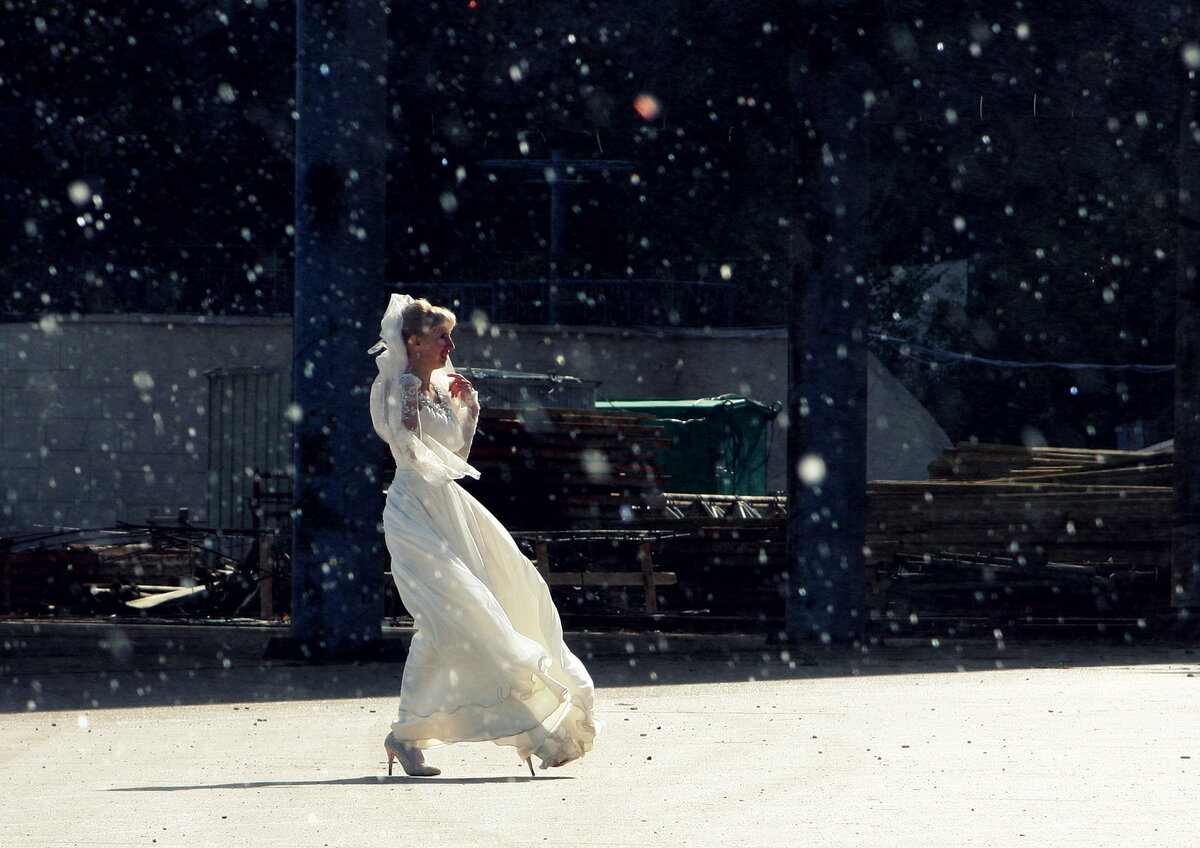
x,y
468,413
395,412
407,408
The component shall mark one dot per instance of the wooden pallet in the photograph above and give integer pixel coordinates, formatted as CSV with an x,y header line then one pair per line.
x,y
550,546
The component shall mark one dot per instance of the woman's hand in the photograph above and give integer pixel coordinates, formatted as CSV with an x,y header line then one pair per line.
x,y
460,387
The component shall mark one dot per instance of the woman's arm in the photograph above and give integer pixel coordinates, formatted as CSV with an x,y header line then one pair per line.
x,y
470,420
408,396
462,391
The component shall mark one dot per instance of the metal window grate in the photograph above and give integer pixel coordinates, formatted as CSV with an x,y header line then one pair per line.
x,y
248,434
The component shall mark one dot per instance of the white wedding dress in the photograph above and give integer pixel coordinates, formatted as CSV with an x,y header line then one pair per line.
x,y
487,661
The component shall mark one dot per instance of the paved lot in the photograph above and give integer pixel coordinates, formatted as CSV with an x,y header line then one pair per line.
x,y
155,735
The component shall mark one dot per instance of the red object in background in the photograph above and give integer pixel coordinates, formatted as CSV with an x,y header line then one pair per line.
x,y
647,106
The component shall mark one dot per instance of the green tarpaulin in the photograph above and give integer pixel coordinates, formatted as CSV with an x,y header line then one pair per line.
x,y
719,445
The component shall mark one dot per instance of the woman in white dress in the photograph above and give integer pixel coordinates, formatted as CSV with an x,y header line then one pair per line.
x,y
487,661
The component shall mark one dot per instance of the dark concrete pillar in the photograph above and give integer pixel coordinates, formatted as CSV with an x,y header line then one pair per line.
x,y
1185,538
341,100
828,334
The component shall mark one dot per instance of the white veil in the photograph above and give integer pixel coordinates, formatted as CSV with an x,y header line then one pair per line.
x,y
434,462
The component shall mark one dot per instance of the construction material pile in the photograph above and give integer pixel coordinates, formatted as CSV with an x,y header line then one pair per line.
x,y
548,469
999,535
128,570
1039,535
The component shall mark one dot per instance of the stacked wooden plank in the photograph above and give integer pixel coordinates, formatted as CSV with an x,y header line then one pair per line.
x,y
1051,534
1040,521
1039,504
1069,505
999,528
545,469
982,461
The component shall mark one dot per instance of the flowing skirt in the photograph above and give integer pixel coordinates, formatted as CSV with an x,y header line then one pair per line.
x,y
487,661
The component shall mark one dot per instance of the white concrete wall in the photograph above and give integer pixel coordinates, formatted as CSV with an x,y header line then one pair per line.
x,y
104,418
639,363
903,438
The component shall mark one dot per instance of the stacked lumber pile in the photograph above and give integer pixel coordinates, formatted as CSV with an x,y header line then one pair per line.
x,y
544,469
1047,533
981,461
1034,520
999,531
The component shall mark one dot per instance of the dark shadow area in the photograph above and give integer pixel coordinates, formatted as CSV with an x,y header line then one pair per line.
x,y
48,666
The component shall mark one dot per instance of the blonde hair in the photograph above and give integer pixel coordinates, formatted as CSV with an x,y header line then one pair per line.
x,y
421,316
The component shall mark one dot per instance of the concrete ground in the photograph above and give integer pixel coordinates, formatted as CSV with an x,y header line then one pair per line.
x,y
163,735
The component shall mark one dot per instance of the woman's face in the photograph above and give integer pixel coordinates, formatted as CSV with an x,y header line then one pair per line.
x,y
433,347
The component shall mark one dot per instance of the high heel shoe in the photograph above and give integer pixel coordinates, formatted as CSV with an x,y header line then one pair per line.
x,y
397,750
